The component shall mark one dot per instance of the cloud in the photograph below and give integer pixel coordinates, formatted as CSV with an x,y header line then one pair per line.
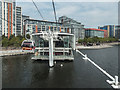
x,y
67,10
69,0
88,13
93,14
99,14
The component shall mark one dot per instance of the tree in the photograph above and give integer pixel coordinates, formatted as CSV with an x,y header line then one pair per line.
x,y
85,40
90,40
17,42
12,36
5,42
22,40
20,37
12,41
80,41
95,39
3,36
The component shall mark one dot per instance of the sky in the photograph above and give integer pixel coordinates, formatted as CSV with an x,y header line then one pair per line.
x,y
90,14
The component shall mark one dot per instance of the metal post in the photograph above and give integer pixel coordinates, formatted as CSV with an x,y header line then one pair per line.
x,y
74,41
51,64
116,80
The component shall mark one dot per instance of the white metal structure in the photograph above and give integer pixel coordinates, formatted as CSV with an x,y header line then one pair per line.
x,y
53,37
49,36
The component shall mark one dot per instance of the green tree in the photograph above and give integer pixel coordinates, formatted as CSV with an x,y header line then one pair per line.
x,y
85,40
12,41
22,40
17,42
95,39
20,37
90,40
5,42
80,41
12,36
3,36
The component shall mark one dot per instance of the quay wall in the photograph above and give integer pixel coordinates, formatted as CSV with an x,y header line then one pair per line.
x,y
14,52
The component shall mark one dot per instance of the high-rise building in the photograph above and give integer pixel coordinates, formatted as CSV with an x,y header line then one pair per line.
x,y
8,17
110,29
18,21
73,27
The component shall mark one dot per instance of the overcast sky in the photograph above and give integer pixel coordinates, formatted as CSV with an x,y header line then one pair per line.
x,y
90,14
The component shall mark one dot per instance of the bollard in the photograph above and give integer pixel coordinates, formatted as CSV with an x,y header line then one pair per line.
x,y
116,80
85,57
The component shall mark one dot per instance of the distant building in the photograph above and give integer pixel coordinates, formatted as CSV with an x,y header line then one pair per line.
x,y
64,25
0,18
92,32
117,31
110,29
18,21
8,18
24,17
36,26
73,27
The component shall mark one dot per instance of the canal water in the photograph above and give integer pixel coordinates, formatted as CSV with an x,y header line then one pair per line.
x,y
22,72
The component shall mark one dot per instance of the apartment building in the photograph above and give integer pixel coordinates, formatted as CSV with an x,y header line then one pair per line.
x,y
9,18
73,27
18,21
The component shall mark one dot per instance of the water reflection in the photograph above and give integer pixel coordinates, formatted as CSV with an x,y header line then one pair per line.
x,y
51,71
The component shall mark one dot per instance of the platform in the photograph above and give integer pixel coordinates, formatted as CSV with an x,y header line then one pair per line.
x,y
71,58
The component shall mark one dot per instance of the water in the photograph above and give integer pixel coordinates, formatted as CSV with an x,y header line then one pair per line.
x,y
22,72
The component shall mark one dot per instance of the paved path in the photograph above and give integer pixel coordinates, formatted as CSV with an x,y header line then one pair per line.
x,y
93,47
13,52
104,45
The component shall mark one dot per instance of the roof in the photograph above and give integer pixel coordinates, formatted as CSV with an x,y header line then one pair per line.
x,y
95,29
42,21
117,25
25,16
64,34
107,25
70,19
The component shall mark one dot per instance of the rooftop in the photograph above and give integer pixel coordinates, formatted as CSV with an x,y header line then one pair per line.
x,y
95,29
42,21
